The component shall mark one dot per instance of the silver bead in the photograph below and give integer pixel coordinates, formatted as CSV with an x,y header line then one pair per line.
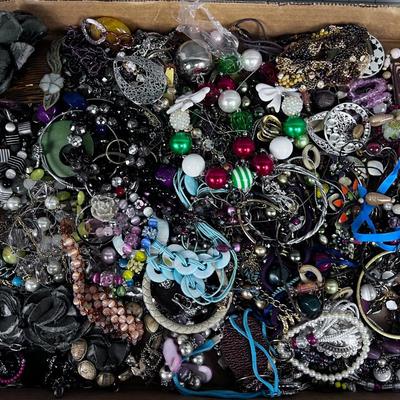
x,y
198,359
101,120
382,374
53,267
31,285
260,251
58,278
323,239
197,133
181,339
186,349
271,212
246,102
295,256
261,304
193,59
166,375
195,383
92,109
247,295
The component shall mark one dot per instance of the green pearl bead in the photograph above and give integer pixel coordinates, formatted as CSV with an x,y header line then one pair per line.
x,y
180,143
311,181
302,141
228,65
241,121
294,127
121,291
309,305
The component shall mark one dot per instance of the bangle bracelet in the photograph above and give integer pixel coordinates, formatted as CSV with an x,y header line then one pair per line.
x,y
21,368
222,309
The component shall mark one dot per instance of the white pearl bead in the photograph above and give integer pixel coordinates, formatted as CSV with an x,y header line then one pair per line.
x,y
13,203
53,267
281,147
31,284
292,105
43,223
395,53
51,202
148,212
229,101
193,165
251,60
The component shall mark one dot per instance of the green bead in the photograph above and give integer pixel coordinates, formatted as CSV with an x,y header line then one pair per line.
x,y
10,256
309,305
37,174
228,65
180,143
241,121
242,178
294,127
63,196
302,141
311,181
121,291
80,198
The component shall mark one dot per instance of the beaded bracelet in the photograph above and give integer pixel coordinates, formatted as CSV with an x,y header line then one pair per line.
x,y
17,376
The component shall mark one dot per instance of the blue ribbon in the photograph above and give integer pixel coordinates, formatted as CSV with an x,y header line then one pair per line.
x,y
380,239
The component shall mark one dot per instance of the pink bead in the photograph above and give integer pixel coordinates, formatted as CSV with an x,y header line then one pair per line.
x,y
97,304
96,277
99,232
124,327
115,319
121,311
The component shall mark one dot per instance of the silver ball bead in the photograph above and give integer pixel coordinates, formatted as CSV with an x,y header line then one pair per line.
x,y
271,212
382,374
166,375
195,383
260,251
186,349
198,359
53,267
181,339
197,133
247,295
31,284
193,59
58,278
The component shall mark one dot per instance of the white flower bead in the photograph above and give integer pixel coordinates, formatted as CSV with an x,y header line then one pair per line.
x,y
180,120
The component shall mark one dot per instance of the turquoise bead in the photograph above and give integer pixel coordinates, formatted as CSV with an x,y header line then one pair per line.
x,y
17,281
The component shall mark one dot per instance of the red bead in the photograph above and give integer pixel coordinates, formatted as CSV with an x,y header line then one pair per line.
x,y
226,83
243,147
212,96
262,164
216,178
268,74
120,191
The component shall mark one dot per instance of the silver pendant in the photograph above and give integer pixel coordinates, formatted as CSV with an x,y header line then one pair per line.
x,y
148,79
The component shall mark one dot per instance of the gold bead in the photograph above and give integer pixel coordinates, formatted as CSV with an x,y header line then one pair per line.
x,y
260,251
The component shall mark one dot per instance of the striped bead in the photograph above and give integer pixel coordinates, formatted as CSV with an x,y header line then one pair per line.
x,y
242,178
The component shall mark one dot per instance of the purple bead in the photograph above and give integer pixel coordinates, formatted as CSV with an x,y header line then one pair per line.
x,y
136,230
165,175
135,220
108,255
45,116
392,346
369,92
108,231
311,339
231,211
223,248
374,148
117,231
295,221
127,248
96,278
236,247
118,280
106,279
374,353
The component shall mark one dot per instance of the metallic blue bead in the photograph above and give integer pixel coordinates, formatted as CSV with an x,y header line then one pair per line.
x,y
146,243
123,262
17,281
129,283
153,223
75,100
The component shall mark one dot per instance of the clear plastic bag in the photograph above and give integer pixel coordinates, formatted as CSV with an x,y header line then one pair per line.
x,y
197,22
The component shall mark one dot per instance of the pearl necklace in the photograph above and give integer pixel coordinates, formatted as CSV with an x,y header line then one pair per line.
x,y
342,333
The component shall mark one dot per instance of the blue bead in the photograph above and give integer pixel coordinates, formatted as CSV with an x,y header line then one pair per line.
x,y
145,243
17,281
129,283
153,223
75,100
101,129
123,262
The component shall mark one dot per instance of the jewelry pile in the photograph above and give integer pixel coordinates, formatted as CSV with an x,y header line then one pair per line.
x,y
204,210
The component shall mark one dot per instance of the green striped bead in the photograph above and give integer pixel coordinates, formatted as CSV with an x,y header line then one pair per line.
x,y
242,178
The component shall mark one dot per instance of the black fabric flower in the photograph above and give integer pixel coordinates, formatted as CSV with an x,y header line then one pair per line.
x,y
19,32
11,332
51,320
106,354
